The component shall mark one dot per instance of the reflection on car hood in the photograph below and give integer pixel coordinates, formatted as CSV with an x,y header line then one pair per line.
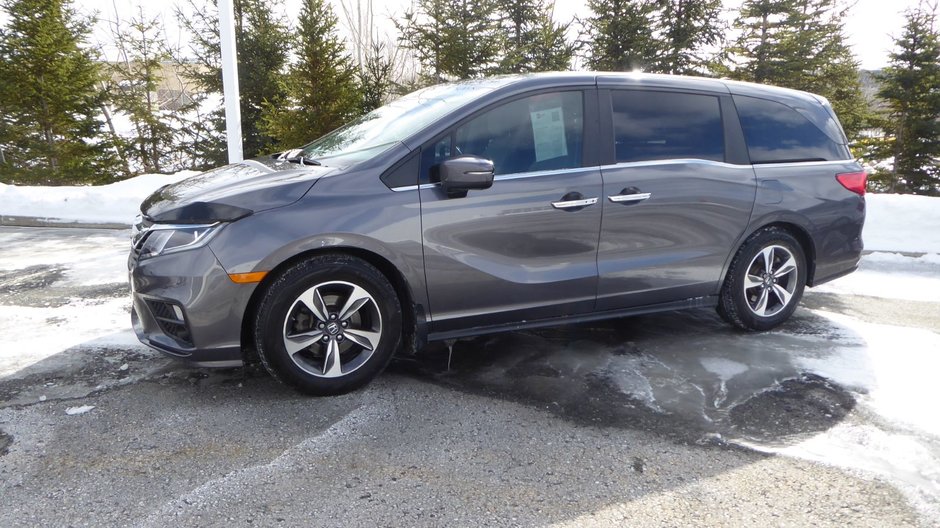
x,y
231,192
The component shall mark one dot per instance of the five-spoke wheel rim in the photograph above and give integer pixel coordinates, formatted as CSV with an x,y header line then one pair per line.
x,y
332,329
771,281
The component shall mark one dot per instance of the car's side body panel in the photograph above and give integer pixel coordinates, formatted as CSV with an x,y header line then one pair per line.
x,y
674,244
807,195
506,254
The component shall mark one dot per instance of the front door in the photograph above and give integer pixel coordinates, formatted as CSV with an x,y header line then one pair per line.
x,y
527,247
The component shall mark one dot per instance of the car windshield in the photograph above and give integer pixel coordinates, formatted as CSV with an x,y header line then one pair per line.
x,y
380,129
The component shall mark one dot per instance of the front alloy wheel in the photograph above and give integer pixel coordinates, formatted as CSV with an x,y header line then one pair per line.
x,y
327,325
332,329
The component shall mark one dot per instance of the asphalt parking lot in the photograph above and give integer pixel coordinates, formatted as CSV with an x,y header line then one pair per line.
x,y
665,420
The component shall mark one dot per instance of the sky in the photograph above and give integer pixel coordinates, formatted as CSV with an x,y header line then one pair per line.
x,y
870,24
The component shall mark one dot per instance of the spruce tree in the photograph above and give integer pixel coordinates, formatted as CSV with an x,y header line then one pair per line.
x,y
136,79
320,91
452,39
619,35
263,45
801,44
758,52
687,31
910,86
50,98
533,41
376,77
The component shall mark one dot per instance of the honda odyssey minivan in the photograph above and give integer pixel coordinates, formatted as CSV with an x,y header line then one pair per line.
x,y
500,204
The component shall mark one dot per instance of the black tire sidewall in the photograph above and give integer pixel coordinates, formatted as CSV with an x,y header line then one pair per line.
x,y
287,287
733,304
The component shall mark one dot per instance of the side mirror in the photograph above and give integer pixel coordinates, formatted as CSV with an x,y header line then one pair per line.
x,y
465,173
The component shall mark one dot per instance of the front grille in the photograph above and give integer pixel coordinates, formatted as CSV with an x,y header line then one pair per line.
x,y
171,323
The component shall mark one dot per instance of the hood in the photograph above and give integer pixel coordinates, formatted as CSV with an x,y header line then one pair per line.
x,y
232,192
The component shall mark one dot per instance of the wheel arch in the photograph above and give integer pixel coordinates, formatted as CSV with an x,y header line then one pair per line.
x,y
798,231
413,324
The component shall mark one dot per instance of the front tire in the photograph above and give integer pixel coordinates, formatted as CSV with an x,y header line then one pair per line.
x,y
328,325
765,281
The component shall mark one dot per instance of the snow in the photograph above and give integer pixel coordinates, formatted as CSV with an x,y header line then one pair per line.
x,y
82,409
901,222
893,276
82,258
115,203
894,432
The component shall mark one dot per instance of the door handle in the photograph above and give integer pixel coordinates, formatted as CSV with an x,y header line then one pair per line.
x,y
620,198
571,204
629,195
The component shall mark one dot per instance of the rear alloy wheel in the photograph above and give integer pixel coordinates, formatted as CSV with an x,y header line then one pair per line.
x,y
765,281
328,325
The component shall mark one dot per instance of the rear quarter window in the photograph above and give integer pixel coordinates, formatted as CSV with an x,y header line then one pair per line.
x,y
776,133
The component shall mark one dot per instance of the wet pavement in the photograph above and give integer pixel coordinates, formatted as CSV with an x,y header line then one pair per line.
x,y
685,374
665,419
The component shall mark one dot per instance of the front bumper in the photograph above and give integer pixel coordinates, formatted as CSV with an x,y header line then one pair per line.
x,y
185,305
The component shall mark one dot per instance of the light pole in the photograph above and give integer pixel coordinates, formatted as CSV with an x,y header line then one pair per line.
x,y
233,115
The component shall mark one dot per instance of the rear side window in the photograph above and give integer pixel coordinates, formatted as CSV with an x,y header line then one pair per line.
x,y
665,125
776,133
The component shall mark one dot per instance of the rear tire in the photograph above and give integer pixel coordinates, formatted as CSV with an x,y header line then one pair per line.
x,y
765,281
328,324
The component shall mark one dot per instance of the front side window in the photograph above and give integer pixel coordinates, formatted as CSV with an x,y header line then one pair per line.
x,y
536,133
378,130
652,125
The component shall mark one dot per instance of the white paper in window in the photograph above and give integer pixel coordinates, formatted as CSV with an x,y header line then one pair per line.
x,y
548,131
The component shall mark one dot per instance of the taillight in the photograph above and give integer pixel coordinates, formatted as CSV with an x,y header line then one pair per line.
x,y
853,181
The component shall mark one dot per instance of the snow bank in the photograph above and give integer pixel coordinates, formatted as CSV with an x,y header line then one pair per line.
x,y
893,276
901,222
115,203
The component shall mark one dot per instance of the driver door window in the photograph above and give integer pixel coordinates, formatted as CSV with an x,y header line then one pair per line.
x,y
535,133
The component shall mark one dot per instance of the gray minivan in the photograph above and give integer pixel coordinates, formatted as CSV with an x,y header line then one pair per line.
x,y
500,204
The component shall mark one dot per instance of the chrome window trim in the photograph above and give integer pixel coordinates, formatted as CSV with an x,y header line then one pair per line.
x,y
635,164
804,163
504,177
675,161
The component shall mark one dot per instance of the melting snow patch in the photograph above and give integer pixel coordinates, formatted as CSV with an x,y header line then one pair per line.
x,y
71,411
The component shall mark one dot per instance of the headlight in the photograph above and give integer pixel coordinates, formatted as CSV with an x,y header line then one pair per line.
x,y
163,238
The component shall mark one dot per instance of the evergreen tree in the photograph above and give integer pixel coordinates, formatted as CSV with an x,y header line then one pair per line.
x,y
50,98
320,91
801,44
378,61
686,29
453,39
911,88
139,72
376,77
533,41
758,52
619,35
263,44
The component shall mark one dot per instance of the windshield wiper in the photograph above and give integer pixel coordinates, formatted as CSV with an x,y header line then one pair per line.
x,y
297,156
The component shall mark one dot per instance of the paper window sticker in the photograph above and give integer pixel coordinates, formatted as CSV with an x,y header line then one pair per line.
x,y
548,133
